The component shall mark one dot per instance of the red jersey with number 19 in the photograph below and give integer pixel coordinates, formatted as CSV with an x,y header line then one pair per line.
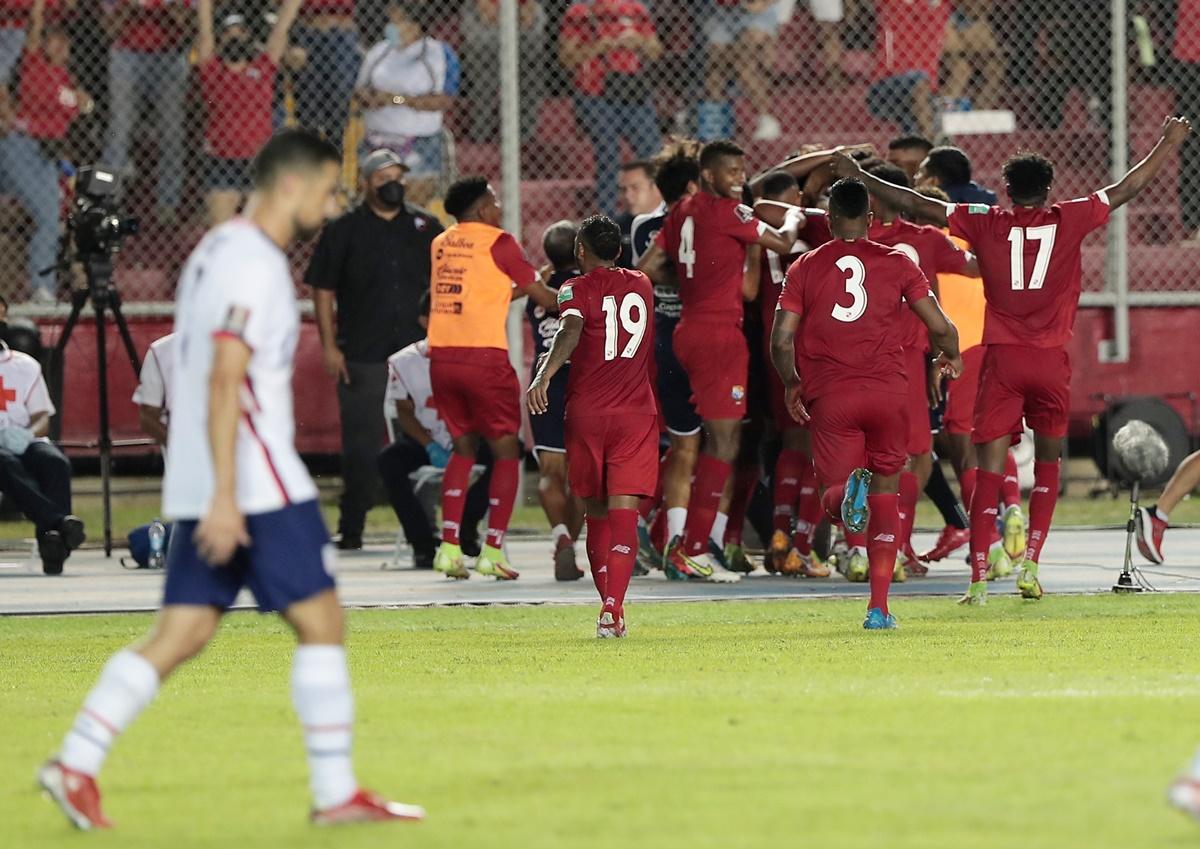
x,y
610,368
850,296
1031,265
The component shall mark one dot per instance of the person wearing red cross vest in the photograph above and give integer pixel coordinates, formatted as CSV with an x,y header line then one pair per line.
x,y
34,474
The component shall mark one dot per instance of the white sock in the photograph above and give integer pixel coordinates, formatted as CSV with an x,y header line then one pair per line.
x,y
676,519
717,534
560,530
323,701
126,686
1162,517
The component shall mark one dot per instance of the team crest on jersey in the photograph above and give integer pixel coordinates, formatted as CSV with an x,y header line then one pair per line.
x,y
744,213
565,294
739,392
977,208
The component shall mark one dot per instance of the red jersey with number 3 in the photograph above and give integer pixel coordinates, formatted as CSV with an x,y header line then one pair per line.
x,y
851,296
705,236
610,367
1031,264
931,250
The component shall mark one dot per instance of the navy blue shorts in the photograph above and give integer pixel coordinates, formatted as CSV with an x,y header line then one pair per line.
x,y
674,389
288,560
890,99
548,428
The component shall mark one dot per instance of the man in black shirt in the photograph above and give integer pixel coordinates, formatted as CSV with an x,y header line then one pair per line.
x,y
374,261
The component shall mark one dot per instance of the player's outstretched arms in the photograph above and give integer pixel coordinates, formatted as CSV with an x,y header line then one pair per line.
x,y
561,348
905,200
803,164
1174,131
942,333
783,357
223,527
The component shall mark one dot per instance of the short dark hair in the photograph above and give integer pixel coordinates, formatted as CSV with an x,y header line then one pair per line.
x,y
1028,176
950,165
558,243
601,236
714,150
848,198
890,174
463,194
644,165
423,303
933,193
911,142
675,167
291,150
777,182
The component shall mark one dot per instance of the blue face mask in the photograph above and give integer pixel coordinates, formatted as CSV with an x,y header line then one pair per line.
x,y
391,34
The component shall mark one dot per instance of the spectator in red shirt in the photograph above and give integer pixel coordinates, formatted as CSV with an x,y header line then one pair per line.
x,y
14,16
34,139
607,43
148,68
237,82
909,38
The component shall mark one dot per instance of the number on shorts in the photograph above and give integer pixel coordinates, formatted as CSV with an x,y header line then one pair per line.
x,y
855,275
775,265
1044,236
687,247
634,326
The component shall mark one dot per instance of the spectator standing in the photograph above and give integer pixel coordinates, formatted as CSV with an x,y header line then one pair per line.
x,y
480,28
406,83
153,393
374,262
829,15
949,169
909,39
741,40
971,46
607,44
148,69
48,101
237,81
14,17
639,196
324,82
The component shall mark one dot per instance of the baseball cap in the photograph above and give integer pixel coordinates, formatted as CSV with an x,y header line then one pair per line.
x,y
381,158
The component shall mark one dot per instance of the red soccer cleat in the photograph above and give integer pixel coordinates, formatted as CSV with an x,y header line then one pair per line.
x,y
75,793
365,806
950,540
1150,530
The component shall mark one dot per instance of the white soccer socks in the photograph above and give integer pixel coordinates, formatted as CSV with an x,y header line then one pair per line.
x,y
127,684
325,705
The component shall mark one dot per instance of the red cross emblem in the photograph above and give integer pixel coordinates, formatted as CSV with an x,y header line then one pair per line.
x,y
6,395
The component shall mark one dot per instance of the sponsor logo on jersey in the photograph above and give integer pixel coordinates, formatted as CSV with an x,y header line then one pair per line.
x,y
738,392
565,294
977,208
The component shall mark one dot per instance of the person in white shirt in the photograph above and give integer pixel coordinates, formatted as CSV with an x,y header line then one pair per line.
x,y
34,474
245,507
423,440
153,394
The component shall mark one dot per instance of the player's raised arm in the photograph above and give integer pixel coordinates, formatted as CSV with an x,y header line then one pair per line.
x,y
904,200
223,529
782,239
1174,131
803,164
570,328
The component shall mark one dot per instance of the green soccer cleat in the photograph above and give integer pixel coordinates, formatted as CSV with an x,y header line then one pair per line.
x,y
493,562
735,557
449,561
1013,523
999,566
899,576
1027,581
976,594
857,566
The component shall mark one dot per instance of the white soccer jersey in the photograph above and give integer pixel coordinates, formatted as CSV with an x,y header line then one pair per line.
x,y
236,283
23,392
155,385
408,377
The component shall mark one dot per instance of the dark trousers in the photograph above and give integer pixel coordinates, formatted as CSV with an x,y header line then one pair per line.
x,y
361,405
396,463
39,483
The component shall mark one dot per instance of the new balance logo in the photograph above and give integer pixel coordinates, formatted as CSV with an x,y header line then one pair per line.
x,y
1041,489
885,538
789,481
621,549
453,493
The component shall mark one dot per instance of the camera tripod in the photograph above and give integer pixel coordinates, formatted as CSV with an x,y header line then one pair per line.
x,y
105,299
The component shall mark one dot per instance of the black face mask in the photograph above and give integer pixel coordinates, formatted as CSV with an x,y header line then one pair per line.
x,y
237,50
391,194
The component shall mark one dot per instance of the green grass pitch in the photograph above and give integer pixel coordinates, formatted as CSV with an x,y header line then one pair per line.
x,y
1056,725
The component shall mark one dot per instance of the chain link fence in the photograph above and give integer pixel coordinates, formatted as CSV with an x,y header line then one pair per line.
x,y
178,105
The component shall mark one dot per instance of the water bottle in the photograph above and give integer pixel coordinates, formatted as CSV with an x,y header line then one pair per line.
x,y
158,536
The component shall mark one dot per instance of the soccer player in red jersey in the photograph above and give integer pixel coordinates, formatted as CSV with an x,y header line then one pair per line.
x,y
605,331
844,301
706,236
1030,260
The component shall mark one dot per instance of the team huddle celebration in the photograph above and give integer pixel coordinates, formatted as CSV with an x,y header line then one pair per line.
x,y
727,457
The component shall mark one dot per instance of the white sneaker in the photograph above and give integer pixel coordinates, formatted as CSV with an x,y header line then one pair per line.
x,y
768,128
609,627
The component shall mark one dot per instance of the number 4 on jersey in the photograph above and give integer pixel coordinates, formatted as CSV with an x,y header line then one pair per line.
x,y
635,326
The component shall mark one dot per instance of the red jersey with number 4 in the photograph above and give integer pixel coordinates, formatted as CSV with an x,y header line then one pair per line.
x,y
705,236
932,251
610,367
1031,265
850,297
773,267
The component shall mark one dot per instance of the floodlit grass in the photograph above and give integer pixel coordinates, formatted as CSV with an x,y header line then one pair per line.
x,y
1054,725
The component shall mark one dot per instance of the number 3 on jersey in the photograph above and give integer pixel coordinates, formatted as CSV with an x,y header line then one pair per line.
x,y
856,275
635,326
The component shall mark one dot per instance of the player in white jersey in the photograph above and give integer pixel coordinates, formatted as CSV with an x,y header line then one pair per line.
x,y
245,508
156,388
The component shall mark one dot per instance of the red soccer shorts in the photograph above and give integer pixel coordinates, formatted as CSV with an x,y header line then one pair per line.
x,y
1016,381
612,455
481,396
961,393
855,429
920,438
717,362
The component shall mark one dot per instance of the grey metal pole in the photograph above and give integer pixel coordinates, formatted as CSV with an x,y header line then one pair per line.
x,y
510,159
1117,253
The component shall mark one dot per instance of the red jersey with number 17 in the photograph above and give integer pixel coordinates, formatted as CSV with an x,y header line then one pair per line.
x,y
705,236
851,296
1031,264
610,367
